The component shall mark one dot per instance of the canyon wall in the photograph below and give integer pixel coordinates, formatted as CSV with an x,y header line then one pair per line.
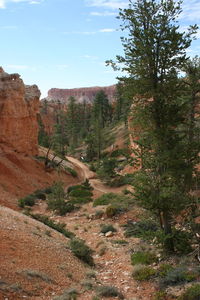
x,y
81,94
19,107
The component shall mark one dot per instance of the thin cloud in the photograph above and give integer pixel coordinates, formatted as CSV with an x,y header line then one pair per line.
x,y
109,4
103,14
17,67
3,3
191,10
107,30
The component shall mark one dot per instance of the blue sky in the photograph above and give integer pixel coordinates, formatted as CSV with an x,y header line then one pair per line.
x,y
65,43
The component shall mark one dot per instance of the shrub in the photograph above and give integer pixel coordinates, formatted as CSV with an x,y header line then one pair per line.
x,y
37,274
71,171
109,291
27,201
164,269
47,190
39,194
82,251
145,229
144,258
111,211
80,200
192,293
80,193
69,294
178,275
106,228
142,272
105,199
60,227
120,202
87,185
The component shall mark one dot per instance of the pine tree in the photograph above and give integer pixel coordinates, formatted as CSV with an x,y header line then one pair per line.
x,y
155,50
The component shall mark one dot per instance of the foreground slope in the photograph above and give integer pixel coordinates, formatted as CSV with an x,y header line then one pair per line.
x,y
34,259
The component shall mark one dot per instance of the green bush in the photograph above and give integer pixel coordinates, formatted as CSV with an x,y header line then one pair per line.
x,y
27,201
40,194
105,199
74,187
82,251
178,275
47,190
56,200
120,152
119,201
69,294
106,228
109,291
111,211
80,200
144,258
164,269
192,293
80,193
60,227
143,273
71,171
145,229
87,185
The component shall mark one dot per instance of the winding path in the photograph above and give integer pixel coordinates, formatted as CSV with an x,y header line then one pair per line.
x,y
85,173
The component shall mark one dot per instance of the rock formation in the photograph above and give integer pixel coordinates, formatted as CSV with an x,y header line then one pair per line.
x,y
19,106
81,94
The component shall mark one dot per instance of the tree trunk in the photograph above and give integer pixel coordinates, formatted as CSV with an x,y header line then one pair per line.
x,y
169,243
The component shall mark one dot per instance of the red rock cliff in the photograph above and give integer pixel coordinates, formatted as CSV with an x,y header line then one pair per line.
x,y
81,94
19,106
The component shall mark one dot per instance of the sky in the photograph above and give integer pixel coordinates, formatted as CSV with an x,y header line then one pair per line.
x,y
65,43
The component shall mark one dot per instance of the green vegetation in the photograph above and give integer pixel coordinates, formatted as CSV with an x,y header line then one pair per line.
x,y
82,251
143,273
164,119
178,275
106,228
144,258
54,225
109,291
118,202
56,200
145,228
192,293
68,294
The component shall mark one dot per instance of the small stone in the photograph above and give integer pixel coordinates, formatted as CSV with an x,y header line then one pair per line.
x,y
109,234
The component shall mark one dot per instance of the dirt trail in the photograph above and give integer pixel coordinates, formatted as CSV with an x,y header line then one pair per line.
x,y
85,173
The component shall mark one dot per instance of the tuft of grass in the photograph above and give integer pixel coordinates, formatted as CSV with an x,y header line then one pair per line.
x,y
38,275
178,275
106,228
109,291
60,227
144,258
69,294
82,251
192,293
142,272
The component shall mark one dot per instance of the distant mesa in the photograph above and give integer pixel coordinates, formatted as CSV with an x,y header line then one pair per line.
x,y
85,94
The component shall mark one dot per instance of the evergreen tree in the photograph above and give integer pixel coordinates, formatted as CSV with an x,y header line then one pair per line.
x,y
155,50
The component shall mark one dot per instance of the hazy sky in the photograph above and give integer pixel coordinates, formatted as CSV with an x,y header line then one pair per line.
x,y
64,43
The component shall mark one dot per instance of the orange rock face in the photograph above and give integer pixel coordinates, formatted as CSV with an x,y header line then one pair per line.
x,y
19,106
